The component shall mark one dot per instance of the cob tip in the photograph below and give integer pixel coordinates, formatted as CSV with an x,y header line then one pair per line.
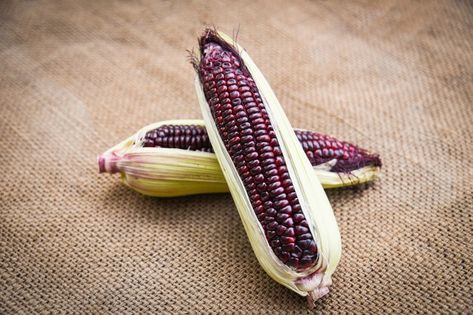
x,y
107,163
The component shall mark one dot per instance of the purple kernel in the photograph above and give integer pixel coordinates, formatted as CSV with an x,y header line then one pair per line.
x,y
270,234
280,197
281,230
279,161
268,204
281,203
259,178
259,210
298,251
264,138
289,232
287,209
261,187
312,247
306,236
271,173
289,247
281,217
303,244
261,216
272,225
272,179
299,230
298,217
271,212
288,222
307,260
277,191
288,240
284,256
251,156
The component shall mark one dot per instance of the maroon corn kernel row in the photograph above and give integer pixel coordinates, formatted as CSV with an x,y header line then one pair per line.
x,y
318,147
186,137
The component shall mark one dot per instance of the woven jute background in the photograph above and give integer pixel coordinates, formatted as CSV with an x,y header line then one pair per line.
x,y
79,76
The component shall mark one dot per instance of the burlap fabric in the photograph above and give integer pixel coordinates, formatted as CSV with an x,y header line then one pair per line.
x,y
79,76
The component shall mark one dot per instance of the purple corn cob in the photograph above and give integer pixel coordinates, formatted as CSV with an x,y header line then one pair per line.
x,y
318,147
248,136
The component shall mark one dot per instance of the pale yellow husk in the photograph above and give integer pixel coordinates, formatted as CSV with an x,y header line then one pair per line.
x,y
315,204
164,172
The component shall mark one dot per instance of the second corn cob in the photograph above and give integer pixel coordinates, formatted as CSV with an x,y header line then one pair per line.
x,y
175,158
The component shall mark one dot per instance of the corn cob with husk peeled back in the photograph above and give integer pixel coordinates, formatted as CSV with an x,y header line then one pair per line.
x,y
175,158
283,207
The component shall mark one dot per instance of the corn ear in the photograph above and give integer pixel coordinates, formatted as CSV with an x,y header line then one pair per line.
x,y
312,199
171,172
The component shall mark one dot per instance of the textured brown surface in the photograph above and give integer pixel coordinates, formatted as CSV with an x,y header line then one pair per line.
x,y
77,77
